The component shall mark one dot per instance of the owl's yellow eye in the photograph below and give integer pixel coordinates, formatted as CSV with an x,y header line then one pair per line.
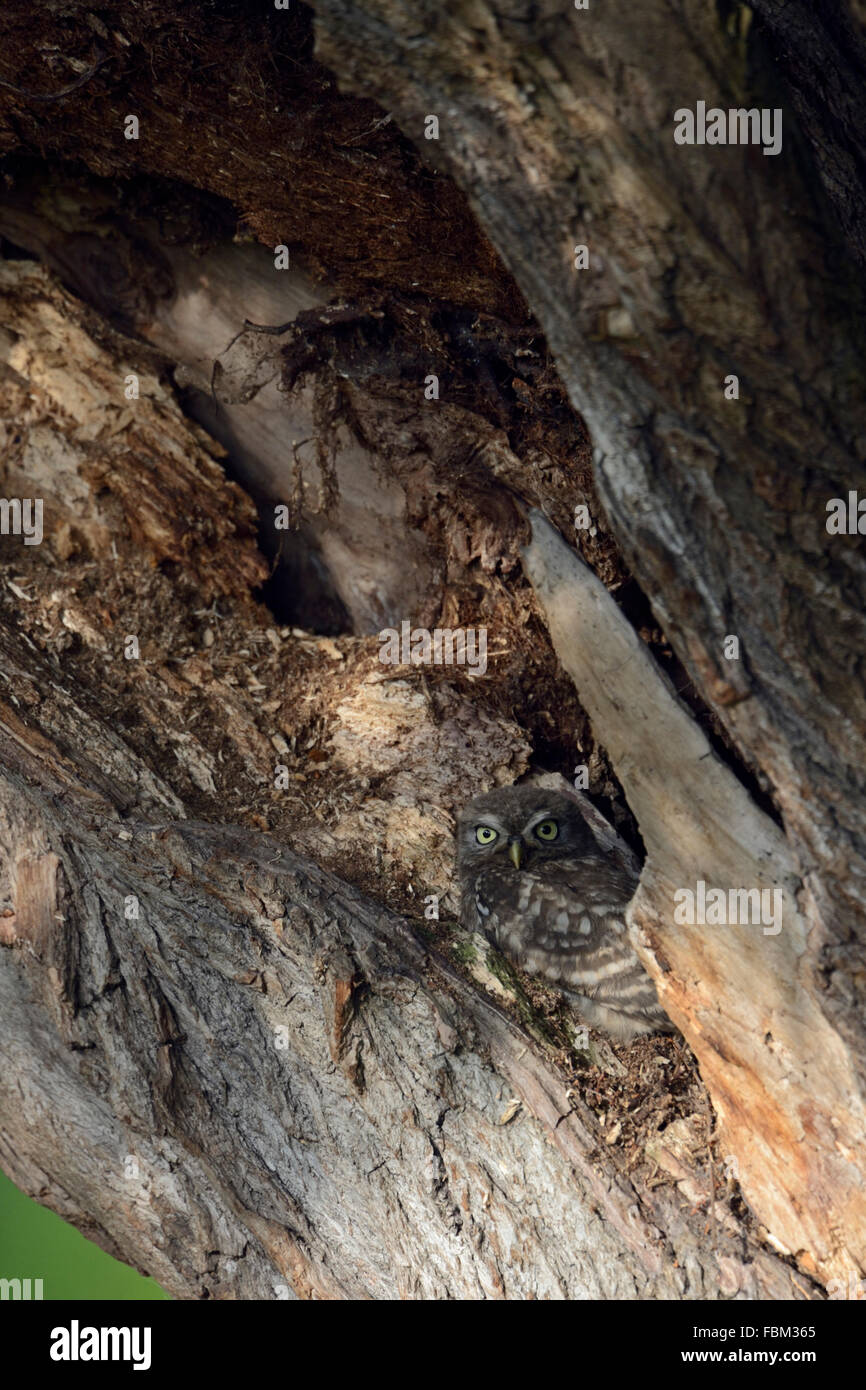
x,y
547,830
485,834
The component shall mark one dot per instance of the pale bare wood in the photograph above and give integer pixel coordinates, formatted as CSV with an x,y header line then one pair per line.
x,y
742,995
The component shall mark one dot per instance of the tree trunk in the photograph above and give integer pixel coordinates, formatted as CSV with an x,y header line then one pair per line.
x,y
285,1074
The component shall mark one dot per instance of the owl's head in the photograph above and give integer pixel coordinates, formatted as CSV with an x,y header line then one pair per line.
x,y
523,825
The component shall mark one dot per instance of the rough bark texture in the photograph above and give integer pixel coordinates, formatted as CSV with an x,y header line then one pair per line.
x,y
276,1089
279,1092
319,1098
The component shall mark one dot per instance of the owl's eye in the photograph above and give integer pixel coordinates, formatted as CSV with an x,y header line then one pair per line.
x,y
485,834
547,830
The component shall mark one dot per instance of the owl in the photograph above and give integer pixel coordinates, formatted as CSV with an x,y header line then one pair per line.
x,y
534,879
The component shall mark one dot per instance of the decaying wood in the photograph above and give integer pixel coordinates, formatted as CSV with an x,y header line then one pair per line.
x,y
354,449
277,1087
375,759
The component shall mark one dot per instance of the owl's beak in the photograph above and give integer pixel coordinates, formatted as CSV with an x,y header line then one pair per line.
x,y
516,851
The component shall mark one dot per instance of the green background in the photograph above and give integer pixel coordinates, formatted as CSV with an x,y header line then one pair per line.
x,y
36,1244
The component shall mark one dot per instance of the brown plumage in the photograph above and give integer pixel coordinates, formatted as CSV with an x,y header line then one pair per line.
x,y
535,880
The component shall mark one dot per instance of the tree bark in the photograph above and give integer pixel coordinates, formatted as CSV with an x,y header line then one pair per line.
x,y
283,1077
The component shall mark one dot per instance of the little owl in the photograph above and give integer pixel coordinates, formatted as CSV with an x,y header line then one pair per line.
x,y
534,879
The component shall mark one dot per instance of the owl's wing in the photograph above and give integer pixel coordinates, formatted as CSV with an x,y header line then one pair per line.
x,y
604,882
565,921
